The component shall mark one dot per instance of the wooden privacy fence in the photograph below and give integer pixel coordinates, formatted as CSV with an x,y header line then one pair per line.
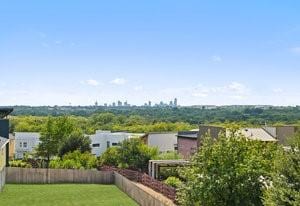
x,y
16,175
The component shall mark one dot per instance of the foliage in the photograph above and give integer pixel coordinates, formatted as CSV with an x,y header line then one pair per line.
x,y
284,189
228,171
173,182
75,160
19,163
55,132
132,153
110,157
168,156
192,115
100,121
76,141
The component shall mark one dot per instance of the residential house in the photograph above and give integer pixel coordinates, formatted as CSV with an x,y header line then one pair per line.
x,y
11,146
165,142
187,142
257,134
25,142
3,143
4,140
103,140
281,133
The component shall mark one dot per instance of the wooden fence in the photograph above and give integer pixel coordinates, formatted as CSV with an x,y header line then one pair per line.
x,y
52,176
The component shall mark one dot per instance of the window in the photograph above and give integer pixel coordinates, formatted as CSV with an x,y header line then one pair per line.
x,y
175,146
108,144
114,144
21,144
96,145
25,144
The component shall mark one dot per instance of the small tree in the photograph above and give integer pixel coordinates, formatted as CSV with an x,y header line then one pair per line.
x,y
76,141
285,186
110,157
134,154
54,133
131,153
227,171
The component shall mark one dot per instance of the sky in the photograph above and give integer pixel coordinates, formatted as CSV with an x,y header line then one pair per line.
x,y
201,51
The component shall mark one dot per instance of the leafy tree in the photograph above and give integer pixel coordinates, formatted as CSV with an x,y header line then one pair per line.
x,y
110,157
227,171
76,141
284,189
54,133
132,153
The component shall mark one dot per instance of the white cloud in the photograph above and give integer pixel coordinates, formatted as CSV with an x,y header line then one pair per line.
x,y
138,88
216,58
295,50
118,81
237,87
57,42
277,90
90,82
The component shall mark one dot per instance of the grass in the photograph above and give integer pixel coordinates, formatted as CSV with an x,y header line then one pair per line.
x,y
63,195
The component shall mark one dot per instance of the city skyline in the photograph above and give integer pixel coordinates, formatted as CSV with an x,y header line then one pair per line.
x,y
202,52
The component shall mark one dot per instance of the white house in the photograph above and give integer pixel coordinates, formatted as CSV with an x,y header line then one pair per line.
x,y
165,142
102,140
25,142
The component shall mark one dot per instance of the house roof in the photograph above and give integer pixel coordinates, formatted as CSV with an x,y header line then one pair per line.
x,y
5,111
257,134
3,142
188,134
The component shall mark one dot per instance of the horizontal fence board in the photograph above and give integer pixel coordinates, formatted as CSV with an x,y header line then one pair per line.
x,y
16,175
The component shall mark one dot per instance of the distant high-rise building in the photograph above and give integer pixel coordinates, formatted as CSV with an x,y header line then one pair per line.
x,y
175,102
119,104
171,103
105,104
113,104
149,103
96,104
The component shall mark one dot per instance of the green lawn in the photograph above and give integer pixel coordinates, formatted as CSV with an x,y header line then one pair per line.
x,y
63,195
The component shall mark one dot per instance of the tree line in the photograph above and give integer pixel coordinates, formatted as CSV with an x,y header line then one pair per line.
x,y
191,115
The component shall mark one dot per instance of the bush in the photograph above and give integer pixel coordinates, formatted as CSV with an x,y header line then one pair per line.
x,y
110,157
75,160
132,153
173,182
19,163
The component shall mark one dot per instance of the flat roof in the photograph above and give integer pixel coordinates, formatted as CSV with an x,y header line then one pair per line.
x,y
5,112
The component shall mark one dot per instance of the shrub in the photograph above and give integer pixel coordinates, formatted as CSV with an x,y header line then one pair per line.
x,y
173,182
75,160
132,153
19,163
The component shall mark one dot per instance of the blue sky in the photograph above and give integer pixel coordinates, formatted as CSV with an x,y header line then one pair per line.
x,y
202,52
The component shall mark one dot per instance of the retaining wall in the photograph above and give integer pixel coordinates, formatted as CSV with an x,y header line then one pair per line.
x,y
142,195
